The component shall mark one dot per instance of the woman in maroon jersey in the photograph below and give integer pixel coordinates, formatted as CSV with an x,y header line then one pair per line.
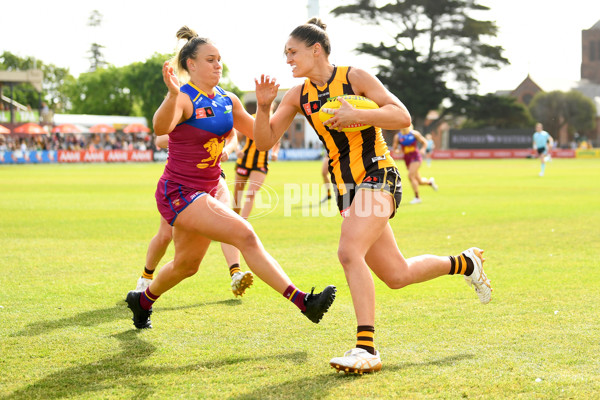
x,y
198,116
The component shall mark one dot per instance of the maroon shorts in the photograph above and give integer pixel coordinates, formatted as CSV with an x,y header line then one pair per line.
x,y
412,157
172,198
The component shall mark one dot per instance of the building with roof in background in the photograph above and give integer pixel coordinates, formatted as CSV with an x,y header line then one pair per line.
x,y
588,85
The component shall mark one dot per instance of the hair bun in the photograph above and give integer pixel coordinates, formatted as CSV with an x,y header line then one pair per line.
x,y
186,33
317,21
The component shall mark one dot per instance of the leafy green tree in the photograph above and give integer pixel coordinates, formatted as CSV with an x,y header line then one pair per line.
x,y
23,93
145,82
12,62
136,89
228,85
55,80
581,112
53,84
556,109
430,42
421,98
96,56
493,111
101,92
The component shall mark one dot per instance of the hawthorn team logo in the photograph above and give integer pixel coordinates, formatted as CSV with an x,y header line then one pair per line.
x,y
371,179
312,107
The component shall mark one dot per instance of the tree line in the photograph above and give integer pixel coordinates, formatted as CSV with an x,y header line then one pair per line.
x,y
430,43
136,89
427,45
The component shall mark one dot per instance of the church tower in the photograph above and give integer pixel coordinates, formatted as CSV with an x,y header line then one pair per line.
x,y
590,54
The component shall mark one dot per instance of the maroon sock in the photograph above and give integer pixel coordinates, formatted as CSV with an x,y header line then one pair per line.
x,y
147,299
295,296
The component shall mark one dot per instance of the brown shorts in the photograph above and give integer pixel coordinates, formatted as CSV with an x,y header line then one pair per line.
x,y
243,171
382,180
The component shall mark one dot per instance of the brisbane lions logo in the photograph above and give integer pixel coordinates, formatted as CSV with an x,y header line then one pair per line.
x,y
214,147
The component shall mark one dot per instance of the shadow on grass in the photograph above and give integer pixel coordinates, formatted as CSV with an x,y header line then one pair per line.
x,y
121,374
317,386
104,315
304,387
106,373
438,362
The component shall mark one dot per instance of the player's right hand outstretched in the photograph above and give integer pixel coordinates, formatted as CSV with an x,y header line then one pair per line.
x,y
266,90
170,78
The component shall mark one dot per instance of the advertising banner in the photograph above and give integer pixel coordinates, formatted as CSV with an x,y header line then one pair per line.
x,y
588,153
27,157
490,138
66,156
504,153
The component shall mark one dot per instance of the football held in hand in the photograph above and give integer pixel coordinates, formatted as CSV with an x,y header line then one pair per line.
x,y
360,102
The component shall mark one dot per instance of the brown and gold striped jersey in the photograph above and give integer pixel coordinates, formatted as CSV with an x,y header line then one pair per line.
x,y
352,155
252,157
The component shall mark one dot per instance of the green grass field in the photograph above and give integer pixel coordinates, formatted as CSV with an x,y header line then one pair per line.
x,y
74,238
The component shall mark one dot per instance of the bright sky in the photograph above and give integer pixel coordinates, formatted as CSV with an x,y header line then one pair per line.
x,y
540,37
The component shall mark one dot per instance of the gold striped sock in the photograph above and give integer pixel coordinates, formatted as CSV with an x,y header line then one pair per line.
x,y
233,269
147,275
365,335
461,265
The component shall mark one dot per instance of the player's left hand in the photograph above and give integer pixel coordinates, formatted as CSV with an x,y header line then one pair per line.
x,y
342,117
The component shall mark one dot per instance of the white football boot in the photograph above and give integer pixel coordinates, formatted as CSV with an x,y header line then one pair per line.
x,y
433,184
240,281
142,284
478,279
357,361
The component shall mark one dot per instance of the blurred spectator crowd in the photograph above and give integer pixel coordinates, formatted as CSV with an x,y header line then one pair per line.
x,y
90,142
